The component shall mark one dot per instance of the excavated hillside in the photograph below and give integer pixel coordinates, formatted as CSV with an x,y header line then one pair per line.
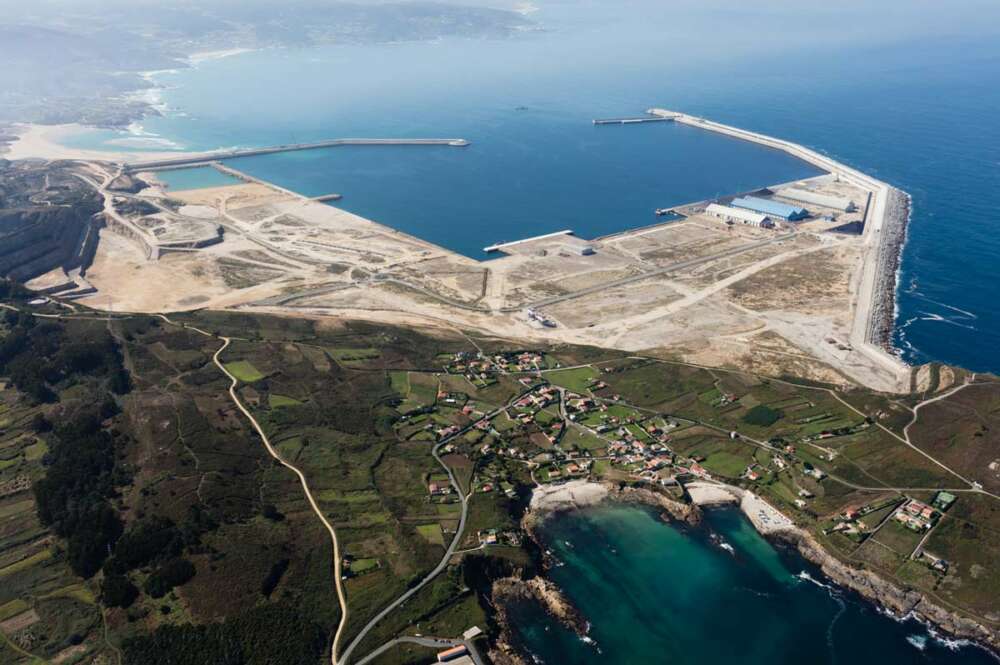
x,y
49,219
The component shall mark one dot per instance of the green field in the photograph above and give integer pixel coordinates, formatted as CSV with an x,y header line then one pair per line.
x,y
431,533
350,356
577,379
12,608
277,401
24,564
244,371
35,451
359,566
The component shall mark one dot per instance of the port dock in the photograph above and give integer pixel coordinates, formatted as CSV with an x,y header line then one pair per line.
x,y
209,157
500,245
884,232
631,121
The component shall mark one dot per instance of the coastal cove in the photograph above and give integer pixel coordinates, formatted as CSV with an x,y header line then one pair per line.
x,y
713,593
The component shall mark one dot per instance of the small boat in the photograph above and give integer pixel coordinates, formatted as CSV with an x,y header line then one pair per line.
x,y
660,212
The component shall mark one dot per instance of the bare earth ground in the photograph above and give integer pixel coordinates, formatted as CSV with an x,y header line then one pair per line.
x,y
774,301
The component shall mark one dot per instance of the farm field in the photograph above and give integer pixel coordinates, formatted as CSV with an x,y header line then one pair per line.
x,y
237,541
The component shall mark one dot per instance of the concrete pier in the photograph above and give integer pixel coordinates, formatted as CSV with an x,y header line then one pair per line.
x,y
500,245
208,157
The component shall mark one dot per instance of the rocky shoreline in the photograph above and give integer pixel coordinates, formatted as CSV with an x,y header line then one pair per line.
x,y
673,510
508,590
550,501
894,230
900,602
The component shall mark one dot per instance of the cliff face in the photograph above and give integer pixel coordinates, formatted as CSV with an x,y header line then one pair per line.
x,y
47,219
898,600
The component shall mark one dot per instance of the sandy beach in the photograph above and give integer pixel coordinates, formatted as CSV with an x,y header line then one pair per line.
x,y
46,142
765,517
710,494
574,494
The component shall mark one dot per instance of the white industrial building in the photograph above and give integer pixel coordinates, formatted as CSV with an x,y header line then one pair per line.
x,y
740,216
818,198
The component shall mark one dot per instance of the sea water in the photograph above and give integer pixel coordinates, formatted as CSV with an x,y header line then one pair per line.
x,y
716,594
529,174
195,177
916,111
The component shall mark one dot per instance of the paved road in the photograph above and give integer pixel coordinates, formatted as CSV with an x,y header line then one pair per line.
x,y
432,642
449,552
346,656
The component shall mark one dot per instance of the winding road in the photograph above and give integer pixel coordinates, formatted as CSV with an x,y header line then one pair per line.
x,y
305,488
449,552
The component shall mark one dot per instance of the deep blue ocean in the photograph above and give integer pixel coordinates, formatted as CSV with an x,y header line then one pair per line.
x,y
915,107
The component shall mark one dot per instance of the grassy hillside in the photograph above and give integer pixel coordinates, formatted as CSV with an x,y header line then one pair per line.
x,y
185,541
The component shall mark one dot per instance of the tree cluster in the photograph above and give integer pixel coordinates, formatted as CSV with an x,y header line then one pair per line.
x,y
38,356
276,634
73,496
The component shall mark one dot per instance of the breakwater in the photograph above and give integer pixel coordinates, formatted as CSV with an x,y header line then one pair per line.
x,y
890,252
208,157
884,233
630,121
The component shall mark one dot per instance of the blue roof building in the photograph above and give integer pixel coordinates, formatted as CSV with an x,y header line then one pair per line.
x,y
770,208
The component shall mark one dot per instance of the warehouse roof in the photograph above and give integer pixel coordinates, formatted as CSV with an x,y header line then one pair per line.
x,y
825,200
768,207
736,213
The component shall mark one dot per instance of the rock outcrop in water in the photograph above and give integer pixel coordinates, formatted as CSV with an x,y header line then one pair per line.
x,y
899,601
687,513
509,590
582,493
